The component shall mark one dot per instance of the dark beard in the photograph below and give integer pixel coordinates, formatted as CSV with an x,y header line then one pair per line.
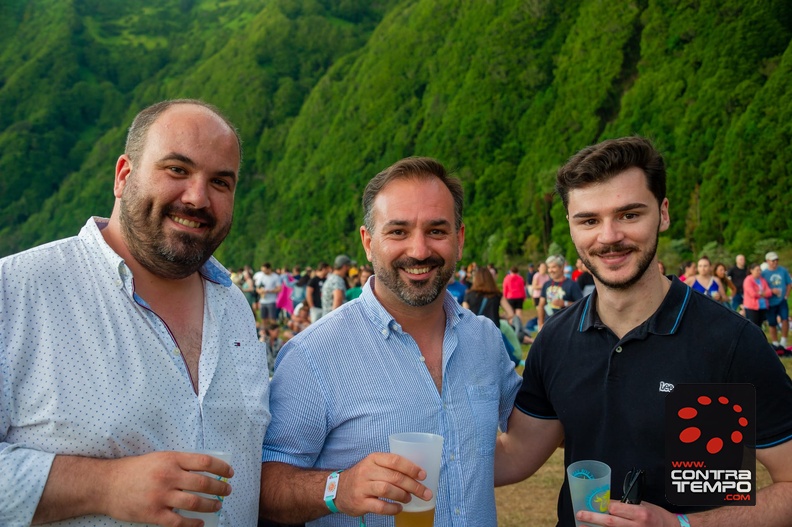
x,y
643,264
416,293
173,256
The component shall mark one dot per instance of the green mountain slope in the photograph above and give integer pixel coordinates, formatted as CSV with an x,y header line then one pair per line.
x,y
327,93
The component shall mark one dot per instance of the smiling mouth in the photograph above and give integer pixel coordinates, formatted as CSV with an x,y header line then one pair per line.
x,y
613,255
186,222
417,270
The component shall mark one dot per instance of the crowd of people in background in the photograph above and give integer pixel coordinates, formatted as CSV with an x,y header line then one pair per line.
x,y
758,291
286,302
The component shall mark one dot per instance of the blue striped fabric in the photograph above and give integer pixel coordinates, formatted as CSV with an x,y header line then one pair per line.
x,y
345,384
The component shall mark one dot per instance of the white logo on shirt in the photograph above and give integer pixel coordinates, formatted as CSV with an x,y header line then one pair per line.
x,y
666,387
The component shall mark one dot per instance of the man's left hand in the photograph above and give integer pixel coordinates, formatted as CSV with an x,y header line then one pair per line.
x,y
625,515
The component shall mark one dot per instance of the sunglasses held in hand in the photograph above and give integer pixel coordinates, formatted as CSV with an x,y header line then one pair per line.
x,y
634,483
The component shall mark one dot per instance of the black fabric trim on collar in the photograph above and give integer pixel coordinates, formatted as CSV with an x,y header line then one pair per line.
x,y
664,321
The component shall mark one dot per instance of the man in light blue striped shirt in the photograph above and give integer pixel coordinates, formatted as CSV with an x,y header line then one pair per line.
x,y
403,357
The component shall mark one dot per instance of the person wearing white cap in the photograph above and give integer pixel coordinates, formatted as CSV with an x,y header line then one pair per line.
x,y
780,283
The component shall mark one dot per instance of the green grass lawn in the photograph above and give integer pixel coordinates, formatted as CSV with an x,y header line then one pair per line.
x,y
533,501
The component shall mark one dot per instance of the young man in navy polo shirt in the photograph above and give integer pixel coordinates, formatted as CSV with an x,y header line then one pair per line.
x,y
599,371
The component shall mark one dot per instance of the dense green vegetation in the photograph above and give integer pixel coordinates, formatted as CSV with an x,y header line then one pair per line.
x,y
328,92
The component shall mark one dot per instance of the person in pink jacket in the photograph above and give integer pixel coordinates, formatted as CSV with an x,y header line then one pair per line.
x,y
756,291
514,290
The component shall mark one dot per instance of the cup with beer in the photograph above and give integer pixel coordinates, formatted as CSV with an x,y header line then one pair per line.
x,y
426,451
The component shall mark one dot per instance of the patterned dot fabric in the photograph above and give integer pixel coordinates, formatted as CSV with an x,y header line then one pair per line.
x,y
87,369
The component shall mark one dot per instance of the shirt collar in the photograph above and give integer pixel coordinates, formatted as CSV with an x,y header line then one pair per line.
x,y
91,233
664,321
384,321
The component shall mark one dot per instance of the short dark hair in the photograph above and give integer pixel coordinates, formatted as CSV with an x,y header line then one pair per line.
x,y
138,130
601,162
412,167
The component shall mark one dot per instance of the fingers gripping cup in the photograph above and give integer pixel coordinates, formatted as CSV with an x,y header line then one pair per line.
x,y
589,485
210,519
426,451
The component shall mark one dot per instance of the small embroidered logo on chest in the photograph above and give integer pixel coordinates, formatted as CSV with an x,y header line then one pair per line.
x,y
666,387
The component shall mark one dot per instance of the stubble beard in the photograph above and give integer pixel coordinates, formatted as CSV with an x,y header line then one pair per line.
x,y
175,255
415,293
642,266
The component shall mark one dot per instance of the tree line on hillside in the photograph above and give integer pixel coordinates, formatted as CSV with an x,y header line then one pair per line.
x,y
328,93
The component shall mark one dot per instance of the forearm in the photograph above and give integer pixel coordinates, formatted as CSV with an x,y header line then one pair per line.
x,y
292,495
74,488
525,447
773,508
133,489
507,471
540,313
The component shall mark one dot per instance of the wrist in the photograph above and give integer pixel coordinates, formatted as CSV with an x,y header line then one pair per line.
x,y
331,488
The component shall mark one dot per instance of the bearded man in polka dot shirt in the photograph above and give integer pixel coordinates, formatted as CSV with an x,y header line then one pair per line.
x,y
126,349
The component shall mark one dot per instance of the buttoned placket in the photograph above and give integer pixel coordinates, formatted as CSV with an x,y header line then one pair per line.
x,y
451,454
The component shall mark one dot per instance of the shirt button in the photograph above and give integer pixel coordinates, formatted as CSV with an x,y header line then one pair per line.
x,y
118,282
452,457
456,511
176,351
618,349
422,359
385,332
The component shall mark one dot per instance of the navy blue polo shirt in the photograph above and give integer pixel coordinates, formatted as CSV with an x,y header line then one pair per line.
x,y
609,393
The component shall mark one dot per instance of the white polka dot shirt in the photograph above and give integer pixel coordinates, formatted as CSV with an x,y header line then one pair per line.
x,y
87,369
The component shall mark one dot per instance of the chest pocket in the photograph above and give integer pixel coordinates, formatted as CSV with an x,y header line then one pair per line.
x,y
483,401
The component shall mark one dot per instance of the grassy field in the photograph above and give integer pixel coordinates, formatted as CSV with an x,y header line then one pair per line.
x,y
533,502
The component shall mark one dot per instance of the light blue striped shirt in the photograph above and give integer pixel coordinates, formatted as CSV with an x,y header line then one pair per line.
x,y
343,385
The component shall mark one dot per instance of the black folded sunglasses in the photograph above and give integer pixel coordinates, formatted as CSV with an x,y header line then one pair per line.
x,y
634,483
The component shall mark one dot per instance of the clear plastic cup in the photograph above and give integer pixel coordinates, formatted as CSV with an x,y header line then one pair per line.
x,y
210,519
589,485
426,451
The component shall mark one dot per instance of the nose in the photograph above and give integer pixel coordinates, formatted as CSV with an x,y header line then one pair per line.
x,y
419,249
195,193
610,233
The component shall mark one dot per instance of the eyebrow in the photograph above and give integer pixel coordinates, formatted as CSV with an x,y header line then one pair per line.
x,y
175,156
623,208
404,223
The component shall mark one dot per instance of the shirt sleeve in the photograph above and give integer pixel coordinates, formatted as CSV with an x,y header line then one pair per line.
x,y
297,432
532,397
545,286
24,471
510,384
575,293
756,362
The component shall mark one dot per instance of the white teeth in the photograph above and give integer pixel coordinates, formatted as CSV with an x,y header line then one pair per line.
x,y
186,223
422,270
